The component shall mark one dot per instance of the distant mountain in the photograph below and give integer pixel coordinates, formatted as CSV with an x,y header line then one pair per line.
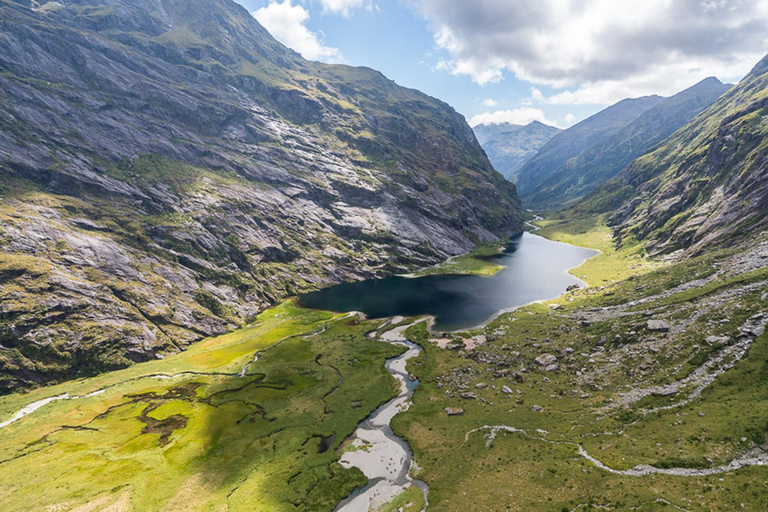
x,y
540,170
509,146
168,170
705,186
609,155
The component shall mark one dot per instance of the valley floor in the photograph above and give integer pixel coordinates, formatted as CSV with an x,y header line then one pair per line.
x,y
644,392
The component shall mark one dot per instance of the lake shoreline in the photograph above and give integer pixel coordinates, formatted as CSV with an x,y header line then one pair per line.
x,y
533,269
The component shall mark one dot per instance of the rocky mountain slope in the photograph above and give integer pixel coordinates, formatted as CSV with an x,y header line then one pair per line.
x,y
609,155
168,169
537,171
705,186
509,146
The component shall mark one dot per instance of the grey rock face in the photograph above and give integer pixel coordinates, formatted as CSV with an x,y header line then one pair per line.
x,y
545,360
658,325
168,170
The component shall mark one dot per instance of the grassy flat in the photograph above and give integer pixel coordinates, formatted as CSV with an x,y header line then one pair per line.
x,y
473,263
604,350
206,439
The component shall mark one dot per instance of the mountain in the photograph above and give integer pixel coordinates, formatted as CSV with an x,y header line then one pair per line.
x,y
542,168
509,146
168,170
609,155
704,187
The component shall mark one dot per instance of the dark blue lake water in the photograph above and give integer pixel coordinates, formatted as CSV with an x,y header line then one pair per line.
x,y
535,269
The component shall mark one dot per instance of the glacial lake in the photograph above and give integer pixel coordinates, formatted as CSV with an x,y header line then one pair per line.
x,y
535,269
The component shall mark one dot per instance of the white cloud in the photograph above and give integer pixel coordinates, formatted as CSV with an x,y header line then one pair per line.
x,y
287,23
537,95
522,116
490,102
344,7
569,119
599,50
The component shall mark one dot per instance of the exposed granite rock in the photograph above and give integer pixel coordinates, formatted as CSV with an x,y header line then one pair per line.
x,y
545,359
658,325
168,170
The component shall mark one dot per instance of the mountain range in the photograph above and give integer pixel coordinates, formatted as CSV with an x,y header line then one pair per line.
x,y
168,170
509,146
595,150
704,187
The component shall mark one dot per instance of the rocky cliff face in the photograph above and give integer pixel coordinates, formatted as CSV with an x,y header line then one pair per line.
x,y
543,168
608,155
705,186
509,146
167,169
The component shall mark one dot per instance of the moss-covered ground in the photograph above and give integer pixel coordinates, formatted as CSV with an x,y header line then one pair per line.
x,y
604,350
207,439
475,262
190,433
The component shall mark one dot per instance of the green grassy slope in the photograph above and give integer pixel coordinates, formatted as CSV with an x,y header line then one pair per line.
x,y
704,186
604,350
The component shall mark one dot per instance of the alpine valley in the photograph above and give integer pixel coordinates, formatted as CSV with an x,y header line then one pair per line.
x,y
176,185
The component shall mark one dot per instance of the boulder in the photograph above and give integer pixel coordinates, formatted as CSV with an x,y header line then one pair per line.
x,y
658,326
454,411
545,360
716,341
666,391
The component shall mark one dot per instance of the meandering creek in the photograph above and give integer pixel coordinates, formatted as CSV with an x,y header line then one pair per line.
x,y
534,269
385,459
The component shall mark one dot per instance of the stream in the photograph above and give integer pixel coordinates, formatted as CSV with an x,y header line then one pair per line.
x,y
385,459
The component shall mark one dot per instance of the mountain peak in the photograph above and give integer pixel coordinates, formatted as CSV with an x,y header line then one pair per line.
x,y
711,80
760,68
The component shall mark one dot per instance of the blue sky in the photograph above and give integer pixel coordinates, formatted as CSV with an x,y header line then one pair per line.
x,y
557,61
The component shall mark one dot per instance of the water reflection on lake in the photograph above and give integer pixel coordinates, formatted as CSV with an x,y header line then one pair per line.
x,y
535,269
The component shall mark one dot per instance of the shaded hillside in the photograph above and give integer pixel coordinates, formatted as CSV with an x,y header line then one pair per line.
x,y
571,142
609,155
708,184
703,187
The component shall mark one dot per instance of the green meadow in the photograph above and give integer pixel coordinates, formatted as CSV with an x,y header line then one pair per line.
x,y
604,350
204,437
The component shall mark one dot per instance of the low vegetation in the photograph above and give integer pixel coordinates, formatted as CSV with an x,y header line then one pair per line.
x,y
604,353
204,429
475,263
685,396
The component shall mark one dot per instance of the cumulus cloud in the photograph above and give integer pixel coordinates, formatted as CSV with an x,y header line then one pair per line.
x,y
344,7
522,116
490,102
287,23
599,50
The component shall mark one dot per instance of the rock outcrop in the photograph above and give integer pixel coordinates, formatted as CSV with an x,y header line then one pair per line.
x,y
168,169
